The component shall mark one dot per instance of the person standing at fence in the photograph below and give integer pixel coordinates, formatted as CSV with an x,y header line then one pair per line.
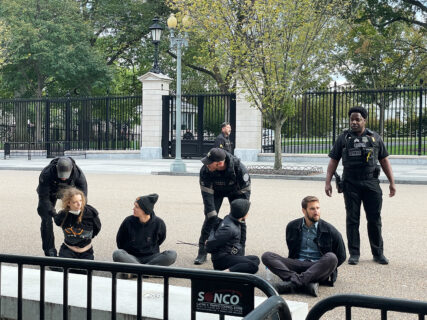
x,y
222,175
223,139
79,222
316,250
60,174
225,243
141,234
360,150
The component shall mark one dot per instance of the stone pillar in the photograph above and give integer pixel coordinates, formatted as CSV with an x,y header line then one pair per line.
x,y
248,128
154,86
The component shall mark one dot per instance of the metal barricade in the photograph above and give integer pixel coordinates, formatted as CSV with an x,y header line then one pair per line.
x,y
196,276
350,301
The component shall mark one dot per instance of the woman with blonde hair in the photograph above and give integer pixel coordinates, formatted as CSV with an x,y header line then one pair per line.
x,y
80,224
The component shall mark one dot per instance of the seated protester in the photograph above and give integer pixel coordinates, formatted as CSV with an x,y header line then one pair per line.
x,y
225,243
140,236
80,223
316,249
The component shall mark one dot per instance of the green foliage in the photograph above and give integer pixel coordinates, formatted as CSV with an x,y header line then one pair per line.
x,y
275,48
47,47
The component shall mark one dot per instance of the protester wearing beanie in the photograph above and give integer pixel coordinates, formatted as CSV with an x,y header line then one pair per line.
x,y
141,234
225,243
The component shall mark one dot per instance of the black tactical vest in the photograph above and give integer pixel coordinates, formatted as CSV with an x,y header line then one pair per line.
x,y
360,151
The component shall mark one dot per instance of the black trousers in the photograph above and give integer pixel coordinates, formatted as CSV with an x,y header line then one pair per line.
x,y
246,264
370,194
301,272
46,228
65,252
212,222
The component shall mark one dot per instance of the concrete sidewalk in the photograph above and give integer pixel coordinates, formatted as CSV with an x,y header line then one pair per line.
x,y
406,169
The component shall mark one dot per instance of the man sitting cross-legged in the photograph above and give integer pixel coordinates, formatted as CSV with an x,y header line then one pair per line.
x,y
316,249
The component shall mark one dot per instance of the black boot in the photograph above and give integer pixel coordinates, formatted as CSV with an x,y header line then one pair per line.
x,y
202,256
283,287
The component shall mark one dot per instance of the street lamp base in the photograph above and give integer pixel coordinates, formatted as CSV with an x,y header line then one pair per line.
x,y
178,166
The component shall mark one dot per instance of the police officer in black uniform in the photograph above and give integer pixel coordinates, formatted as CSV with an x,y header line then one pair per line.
x,y
223,139
360,150
61,173
222,175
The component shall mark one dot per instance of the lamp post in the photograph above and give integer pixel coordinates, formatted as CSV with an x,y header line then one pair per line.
x,y
178,40
156,33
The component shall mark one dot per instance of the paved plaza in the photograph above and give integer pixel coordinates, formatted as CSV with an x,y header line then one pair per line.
x,y
114,185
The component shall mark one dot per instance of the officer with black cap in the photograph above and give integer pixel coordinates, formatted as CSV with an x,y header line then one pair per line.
x,y
225,243
59,174
361,149
222,175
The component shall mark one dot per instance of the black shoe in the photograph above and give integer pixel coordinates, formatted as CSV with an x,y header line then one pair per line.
x,y
381,259
201,258
283,287
353,260
51,253
312,289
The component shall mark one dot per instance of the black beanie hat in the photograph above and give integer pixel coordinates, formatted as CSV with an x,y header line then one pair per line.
x,y
239,208
146,203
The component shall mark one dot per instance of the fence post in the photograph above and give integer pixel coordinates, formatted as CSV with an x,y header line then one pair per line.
x,y
47,127
107,122
67,121
420,118
334,115
200,119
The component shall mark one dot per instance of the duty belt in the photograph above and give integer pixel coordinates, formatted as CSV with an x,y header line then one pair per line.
x,y
358,176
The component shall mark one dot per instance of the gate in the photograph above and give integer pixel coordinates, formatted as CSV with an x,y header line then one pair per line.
x,y
71,123
201,118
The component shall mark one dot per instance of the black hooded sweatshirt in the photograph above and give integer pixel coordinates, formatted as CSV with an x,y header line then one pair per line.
x,y
141,239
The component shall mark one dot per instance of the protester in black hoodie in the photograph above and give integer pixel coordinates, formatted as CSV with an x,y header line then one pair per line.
x,y
80,224
225,243
140,236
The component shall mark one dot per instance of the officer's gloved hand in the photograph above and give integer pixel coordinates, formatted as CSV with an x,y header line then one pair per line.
x,y
52,212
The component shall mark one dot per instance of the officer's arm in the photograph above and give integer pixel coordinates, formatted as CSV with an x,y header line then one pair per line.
x,y
81,183
244,181
43,190
206,188
385,164
332,167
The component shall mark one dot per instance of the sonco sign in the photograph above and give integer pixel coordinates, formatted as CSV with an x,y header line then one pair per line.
x,y
222,297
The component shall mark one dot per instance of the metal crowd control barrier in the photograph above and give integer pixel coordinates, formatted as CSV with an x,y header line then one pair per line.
x,y
369,302
273,306
197,277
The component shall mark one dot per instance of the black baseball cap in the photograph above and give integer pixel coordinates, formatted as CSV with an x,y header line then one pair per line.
x,y
64,167
214,155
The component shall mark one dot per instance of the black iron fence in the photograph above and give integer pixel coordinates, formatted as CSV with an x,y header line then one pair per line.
x,y
201,118
207,287
399,115
350,301
95,123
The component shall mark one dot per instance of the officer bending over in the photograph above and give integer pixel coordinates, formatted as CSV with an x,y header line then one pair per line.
x,y
222,175
360,150
58,175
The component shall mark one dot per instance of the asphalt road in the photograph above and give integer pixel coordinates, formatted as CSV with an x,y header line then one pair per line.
x,y
274,204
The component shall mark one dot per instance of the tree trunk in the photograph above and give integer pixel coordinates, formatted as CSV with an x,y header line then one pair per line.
x,y
277,144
